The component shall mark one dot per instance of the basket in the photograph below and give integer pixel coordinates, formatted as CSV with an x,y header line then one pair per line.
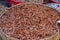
x,y
6,37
